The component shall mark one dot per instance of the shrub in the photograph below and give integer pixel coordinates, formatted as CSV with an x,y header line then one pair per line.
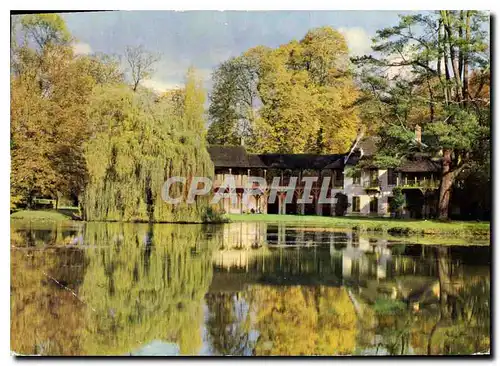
x,y
341,205
397,202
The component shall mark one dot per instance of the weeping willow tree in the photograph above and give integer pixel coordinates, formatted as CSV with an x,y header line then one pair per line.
x,y
145,283
138,142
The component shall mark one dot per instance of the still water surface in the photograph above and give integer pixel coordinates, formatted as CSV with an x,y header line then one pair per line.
x,y
242,289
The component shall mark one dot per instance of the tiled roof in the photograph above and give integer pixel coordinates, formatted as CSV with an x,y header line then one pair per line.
x,y
229,156
255,161
337,164
299,161
234,157
237,157
420,165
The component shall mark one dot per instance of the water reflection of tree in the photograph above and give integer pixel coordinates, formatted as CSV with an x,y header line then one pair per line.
x,y
44,234
454,321
146,283
136,283
463,322
303,320
46,318
228,324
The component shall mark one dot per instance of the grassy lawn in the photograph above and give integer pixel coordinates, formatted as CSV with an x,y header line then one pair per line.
x,y
391,226
42,215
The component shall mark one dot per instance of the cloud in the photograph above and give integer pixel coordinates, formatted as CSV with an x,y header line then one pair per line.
x,y
358,40
159,86
404,72
206,38
81,48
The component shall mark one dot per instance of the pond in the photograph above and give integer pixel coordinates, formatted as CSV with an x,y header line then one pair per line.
x,y
242,289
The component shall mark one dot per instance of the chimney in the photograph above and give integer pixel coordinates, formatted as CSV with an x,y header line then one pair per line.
x,y
418,133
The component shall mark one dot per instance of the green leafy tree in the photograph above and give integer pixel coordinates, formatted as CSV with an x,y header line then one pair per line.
x,y
45,30
233,101
421,75
104,69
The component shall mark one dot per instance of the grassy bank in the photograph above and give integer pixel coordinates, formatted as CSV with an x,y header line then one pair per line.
x,y
385,225
42,215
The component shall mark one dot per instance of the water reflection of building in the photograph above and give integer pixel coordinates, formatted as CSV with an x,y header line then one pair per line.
x,y
276,249
264,248
276,254
364,257
239,243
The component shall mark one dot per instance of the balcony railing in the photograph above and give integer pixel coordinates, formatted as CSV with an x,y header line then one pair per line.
x,y
372,184
240,180
422,183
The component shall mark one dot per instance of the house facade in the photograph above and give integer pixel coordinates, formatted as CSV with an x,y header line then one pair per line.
x,y
367,192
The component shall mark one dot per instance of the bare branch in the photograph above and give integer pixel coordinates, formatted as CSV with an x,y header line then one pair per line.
x,y
141,63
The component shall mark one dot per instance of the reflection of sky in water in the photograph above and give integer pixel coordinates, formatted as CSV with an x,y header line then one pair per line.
x,y
160,348
157,348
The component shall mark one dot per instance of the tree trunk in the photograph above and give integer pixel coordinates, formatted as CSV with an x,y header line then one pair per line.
x,y
461,53
466,59
453,54
29,203
445,187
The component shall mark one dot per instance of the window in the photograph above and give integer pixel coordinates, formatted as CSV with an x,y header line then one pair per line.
x,y
355,204
356,178
338,179
373,178
374,205
392,177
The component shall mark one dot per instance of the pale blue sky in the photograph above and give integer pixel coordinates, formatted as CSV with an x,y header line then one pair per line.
x,y
206,38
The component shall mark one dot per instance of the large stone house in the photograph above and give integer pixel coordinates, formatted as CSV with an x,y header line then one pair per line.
x,y
368,192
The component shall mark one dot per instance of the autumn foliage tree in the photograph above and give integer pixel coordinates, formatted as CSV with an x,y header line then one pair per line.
x,y
287,99
49,91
